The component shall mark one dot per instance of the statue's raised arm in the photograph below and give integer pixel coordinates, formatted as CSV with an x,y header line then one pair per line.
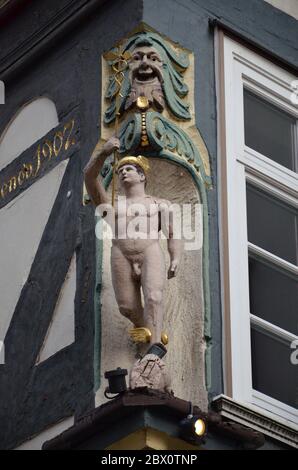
x,y
94,184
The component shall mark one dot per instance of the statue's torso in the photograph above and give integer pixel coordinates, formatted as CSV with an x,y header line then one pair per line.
x,y
137,223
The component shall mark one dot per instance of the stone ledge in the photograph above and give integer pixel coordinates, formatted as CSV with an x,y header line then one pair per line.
x,y
169,410
243,414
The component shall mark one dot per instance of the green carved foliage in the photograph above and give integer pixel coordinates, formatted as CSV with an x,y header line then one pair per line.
x,y
173,85
166,139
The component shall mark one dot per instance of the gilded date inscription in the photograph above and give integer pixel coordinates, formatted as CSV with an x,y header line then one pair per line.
x,y
50,148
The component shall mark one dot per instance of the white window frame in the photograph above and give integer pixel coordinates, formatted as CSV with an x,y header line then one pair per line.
x,y
241,67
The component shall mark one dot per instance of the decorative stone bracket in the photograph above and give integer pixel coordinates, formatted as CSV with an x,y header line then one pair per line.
x,y
165,139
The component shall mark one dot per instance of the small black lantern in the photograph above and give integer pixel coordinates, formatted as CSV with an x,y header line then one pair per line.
x,y
117,382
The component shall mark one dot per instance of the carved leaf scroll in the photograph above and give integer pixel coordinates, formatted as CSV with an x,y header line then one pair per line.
x,y
166,140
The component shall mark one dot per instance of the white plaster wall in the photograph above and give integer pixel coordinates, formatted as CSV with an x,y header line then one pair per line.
x,y
184,305
61,332
30,124
287,6
37,442
22,224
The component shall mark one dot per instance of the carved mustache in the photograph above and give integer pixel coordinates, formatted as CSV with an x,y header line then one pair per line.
x,y
142,71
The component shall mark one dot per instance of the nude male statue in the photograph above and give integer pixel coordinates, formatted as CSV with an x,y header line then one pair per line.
x,y
137,261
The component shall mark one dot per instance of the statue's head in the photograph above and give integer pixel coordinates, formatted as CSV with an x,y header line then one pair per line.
x,y
132,170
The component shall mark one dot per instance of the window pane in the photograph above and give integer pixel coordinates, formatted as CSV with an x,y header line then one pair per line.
x,y
272,224
273,295
269,130
272,371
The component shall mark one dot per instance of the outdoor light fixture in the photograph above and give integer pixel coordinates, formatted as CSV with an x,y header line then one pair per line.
x,y
117,382
200,427
193,428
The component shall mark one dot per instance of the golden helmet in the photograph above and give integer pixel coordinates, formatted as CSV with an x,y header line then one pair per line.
x,y
139,161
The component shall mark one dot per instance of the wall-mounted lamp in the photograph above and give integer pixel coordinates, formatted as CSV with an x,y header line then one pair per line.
x,y
193,428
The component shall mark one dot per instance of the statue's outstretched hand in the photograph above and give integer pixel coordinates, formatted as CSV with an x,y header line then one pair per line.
x,y
110,146
173,269
107,149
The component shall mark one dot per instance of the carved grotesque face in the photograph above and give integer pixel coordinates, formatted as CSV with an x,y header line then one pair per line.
x,y
145,65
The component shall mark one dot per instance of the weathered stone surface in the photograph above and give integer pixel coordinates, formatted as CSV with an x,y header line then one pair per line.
x,y
150,371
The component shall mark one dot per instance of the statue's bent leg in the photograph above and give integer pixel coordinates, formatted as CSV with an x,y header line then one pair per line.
x,y
126,288
153,283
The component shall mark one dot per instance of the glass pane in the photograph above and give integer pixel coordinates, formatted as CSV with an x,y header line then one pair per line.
x,y
269,130
272,371
272,224
273,295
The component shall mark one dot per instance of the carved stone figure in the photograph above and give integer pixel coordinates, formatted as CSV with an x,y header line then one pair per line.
x,y
145,100
152,72
146,79
152,81
137,261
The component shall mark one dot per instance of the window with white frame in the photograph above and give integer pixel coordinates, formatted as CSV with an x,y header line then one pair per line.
x,y
259,219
